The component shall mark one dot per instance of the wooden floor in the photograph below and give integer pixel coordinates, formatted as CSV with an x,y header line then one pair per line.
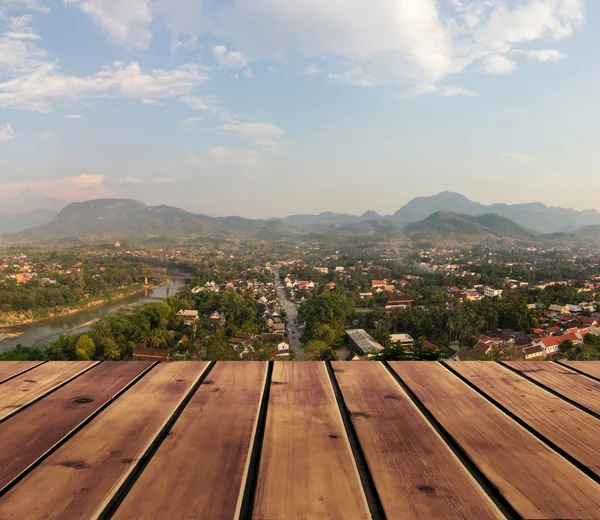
x,y
300,440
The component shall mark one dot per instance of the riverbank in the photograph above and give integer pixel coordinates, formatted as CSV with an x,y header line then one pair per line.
x,y
7,321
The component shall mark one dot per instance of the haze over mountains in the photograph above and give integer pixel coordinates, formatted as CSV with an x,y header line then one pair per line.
x,y
446,216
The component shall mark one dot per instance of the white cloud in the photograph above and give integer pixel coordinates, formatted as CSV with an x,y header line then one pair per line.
x,y
448,91
6,133
545,55
194,119
517,156
124,21
73,116
418,90
3,161
44,86
311,69
356,77
229,59
80,187
30,5
456,91
195,102
406,42
498,64
254,131
131,181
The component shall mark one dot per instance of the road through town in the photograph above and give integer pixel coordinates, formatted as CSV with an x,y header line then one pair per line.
x,y
293,328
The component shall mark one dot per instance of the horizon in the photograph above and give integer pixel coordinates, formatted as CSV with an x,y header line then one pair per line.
x,y
279,217
259,109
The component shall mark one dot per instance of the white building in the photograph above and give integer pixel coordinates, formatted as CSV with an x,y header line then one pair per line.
x,y
491,292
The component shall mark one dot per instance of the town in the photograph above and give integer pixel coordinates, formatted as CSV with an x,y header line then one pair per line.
x,y
283,301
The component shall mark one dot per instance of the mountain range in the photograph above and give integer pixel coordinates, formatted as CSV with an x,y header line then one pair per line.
x,y
446,217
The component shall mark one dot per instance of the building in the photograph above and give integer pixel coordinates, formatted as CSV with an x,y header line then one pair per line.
x,y
490,292
363,341
533,352
398,301
404,339
189,317
217,319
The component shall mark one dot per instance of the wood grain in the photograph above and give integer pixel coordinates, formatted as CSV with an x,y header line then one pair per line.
x,y
9,369
306,470
198,471
534,479
31,433
23,389
578,388
416,474
571,429
591,368
78,480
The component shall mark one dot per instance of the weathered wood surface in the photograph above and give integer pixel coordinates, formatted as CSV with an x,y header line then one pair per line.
x,y
571,429
23,389
80,478
591,368
307,469
416,474
577,387
536,481
199,469
28,435
9,369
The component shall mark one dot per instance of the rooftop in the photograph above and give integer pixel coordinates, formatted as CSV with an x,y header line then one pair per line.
x,y
409,440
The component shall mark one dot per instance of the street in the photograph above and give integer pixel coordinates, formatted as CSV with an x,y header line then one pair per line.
x,y
293,328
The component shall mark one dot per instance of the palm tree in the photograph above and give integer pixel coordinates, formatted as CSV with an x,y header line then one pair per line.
x,y
157,339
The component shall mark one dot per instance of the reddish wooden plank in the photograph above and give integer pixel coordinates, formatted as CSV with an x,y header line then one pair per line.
x,y
534,479
23,389
10,369
28,435
578,388
79,479
199,469
571,429
416,474
591,368
307,469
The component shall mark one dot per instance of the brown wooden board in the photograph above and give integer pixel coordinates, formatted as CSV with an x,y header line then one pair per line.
x,y
35,383
79,479
10,369
571,429
577,387
306,469
415,472
199,469
533,478
28,435
591,368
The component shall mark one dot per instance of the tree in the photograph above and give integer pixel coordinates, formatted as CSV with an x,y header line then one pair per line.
x,y
86,345
319,351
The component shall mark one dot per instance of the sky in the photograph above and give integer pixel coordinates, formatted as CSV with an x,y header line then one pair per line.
x,y
266,108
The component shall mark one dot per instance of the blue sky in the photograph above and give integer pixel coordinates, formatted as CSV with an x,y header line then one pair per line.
x,y
267,108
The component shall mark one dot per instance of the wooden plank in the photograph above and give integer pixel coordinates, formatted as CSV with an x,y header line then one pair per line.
x,y
307,469
591,368
34,384
79,479
571,429
416,474
578,388
535,480
29,435
198,471
10,369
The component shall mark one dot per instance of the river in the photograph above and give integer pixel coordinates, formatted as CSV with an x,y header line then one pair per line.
x,y
49,330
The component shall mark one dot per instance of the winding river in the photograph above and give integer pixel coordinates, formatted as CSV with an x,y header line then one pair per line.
x,y
49,330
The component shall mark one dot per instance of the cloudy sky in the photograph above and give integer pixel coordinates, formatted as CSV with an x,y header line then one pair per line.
x,y
269,107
